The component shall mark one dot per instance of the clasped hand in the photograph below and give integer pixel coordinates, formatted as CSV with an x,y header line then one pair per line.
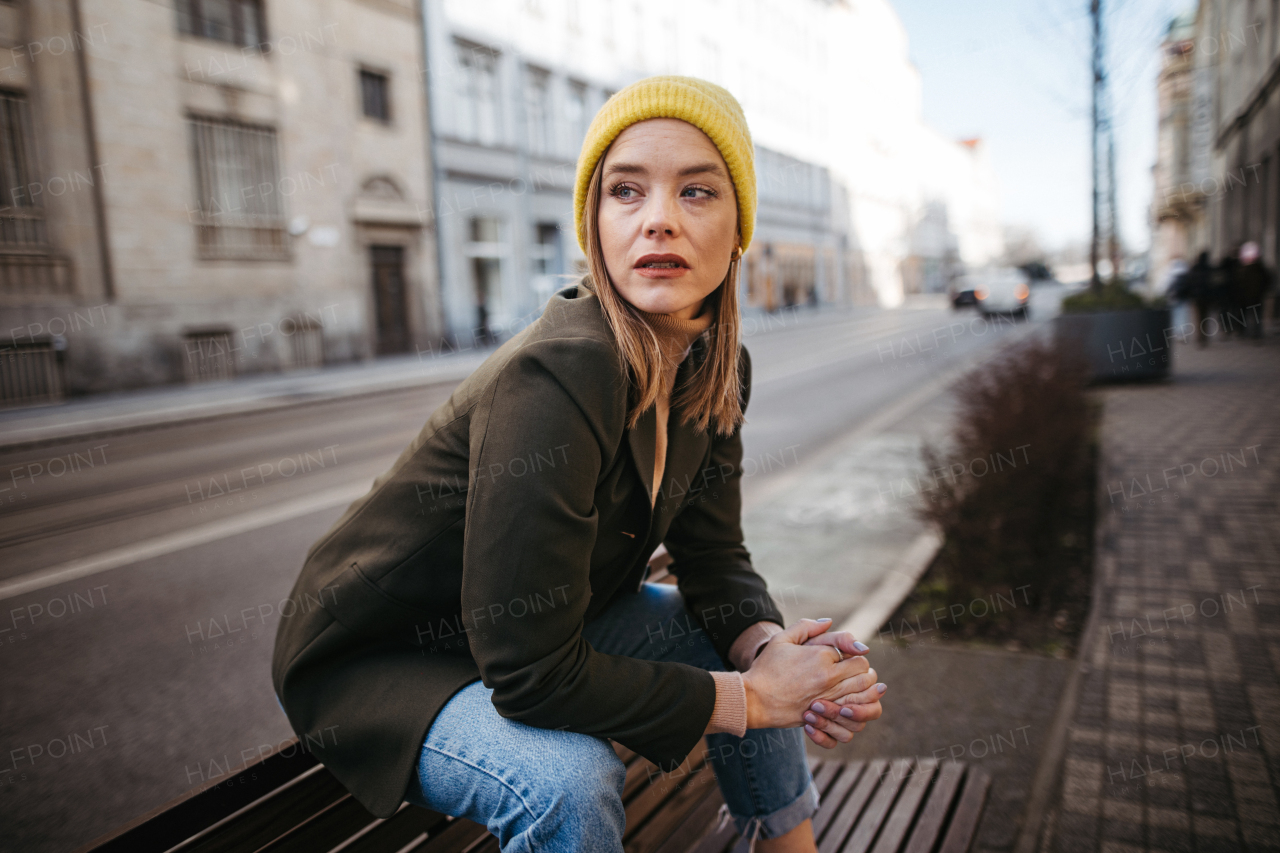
x,y
805,673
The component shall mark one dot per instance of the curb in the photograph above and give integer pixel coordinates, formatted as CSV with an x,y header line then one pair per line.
x,y
1045,783
894,587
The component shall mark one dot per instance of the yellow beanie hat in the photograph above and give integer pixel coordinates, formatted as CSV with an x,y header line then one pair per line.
x,y
706,106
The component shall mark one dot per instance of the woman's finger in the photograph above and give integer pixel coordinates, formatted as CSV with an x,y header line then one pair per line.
x,y
830,727
821,738
843,678
841,640
854,686
802,631
864,705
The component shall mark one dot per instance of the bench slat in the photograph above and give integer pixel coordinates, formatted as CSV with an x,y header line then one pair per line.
x,y
875,813
396,832
964,823
664,822
833,795
698,826
325,830
848,814
486,845
649,800
457,836
271,816
718,838
934,814
904,810
186,817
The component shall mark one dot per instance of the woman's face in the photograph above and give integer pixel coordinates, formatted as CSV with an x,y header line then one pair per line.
x,y
668,216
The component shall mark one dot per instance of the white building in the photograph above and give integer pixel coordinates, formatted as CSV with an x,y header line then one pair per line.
x,y
825,82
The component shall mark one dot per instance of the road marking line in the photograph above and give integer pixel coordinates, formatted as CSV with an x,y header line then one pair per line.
x,y
180,540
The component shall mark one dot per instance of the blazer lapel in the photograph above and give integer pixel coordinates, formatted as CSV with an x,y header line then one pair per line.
x,y
643,439
685,452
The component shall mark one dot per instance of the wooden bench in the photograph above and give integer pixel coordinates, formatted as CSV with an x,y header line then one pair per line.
x,y
288,803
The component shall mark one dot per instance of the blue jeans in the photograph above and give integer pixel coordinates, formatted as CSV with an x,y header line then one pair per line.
x,y
544,790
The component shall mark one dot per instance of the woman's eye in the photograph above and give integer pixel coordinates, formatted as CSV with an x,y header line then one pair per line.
x,y
697,192
622,191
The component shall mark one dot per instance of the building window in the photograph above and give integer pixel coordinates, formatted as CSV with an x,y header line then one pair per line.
x,y
546,249
537,109
375,95
21,216
578,118
235,21
547,260
476,93
209,356
239,213
485,254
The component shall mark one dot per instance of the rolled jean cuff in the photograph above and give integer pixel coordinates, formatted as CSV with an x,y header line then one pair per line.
x,y
783,820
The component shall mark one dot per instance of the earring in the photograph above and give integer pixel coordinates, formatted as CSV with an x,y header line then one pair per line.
x,y
737,253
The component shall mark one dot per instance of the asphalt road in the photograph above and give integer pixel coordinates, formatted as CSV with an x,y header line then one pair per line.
x,y
135,665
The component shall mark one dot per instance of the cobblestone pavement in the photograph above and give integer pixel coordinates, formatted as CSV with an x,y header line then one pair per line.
x,y
1175,742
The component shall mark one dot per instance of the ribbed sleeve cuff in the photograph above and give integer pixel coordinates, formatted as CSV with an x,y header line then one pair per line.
x,y
744,650
730,713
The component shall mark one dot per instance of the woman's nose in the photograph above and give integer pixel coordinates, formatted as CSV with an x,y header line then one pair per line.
x,y
661,218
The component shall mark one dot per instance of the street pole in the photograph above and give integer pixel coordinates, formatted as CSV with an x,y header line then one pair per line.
x,y
1095,9
1113,217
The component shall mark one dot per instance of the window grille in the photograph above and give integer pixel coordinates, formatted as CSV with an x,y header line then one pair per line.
x,y
234,21
208,356
29,375
375,95
21,213
239,211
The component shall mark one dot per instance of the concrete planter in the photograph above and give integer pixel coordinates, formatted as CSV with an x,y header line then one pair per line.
x,y
1120,345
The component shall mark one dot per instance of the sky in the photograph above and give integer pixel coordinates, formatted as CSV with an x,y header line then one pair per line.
x,y
1016,73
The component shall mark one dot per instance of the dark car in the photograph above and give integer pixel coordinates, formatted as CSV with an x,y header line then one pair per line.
x,y
962,294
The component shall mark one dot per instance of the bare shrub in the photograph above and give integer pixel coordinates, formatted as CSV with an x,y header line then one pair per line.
x,y
1026,526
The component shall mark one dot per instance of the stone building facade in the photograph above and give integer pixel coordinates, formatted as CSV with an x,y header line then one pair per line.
x,y
1217,178
195,189
1238,41
1184,107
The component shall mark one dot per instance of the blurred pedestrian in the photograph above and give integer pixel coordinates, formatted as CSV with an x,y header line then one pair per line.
x,y
1224,292
1194,287
1253,281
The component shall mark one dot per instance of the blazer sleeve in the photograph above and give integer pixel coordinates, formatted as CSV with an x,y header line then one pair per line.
x,y
709,558
552,418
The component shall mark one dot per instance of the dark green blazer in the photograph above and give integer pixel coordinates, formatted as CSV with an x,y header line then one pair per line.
x,y
516,516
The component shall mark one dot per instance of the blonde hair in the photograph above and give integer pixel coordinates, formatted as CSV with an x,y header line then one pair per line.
x,y
712,395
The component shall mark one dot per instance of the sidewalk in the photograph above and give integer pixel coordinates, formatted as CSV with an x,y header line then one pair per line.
x,y
108,413
1174,743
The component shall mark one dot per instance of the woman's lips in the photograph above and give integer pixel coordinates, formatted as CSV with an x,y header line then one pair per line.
x,y
662,266
662,272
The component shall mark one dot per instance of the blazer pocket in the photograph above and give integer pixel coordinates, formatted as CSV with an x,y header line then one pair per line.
x,y
365,609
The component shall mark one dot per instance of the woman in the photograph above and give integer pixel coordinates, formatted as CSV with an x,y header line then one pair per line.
x,y
485,627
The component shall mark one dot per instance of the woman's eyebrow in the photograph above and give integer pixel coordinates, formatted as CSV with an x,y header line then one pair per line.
x,y
702,169
625,168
